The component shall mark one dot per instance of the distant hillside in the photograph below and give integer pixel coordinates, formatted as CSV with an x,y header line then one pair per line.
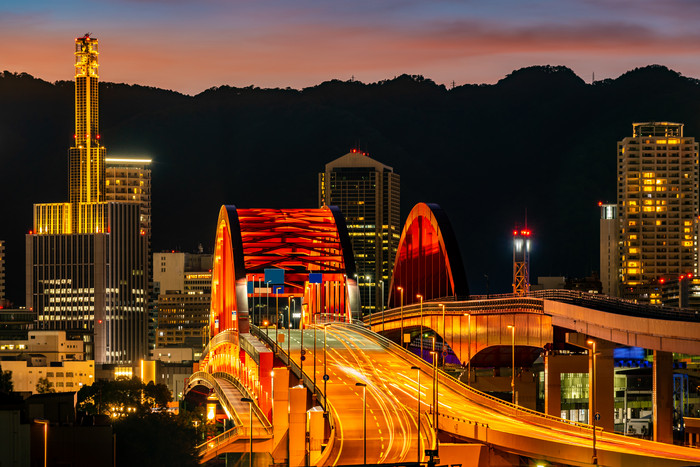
x,y
540,141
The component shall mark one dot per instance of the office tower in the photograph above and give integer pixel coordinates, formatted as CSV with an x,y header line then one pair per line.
x,y
658,208
367,193
609,249
184,301
86,260
128,180
2,273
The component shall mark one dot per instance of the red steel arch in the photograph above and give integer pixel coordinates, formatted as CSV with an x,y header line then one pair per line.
x,y
299,241
428,261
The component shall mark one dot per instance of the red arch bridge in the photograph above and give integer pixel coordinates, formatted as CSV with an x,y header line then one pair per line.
x,y
334,391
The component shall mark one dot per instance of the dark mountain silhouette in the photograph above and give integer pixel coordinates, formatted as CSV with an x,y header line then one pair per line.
x,y
541,141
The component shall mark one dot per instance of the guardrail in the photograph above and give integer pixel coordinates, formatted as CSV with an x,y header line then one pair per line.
x,y
294,367
477,396
533,302
256,408
211,379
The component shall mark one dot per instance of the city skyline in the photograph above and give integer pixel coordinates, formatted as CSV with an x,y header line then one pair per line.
x,y
275,45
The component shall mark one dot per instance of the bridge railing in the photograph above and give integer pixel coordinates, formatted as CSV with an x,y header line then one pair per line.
x,y
256,408
617,305
511,304
211,379
533,302
475,395
293,366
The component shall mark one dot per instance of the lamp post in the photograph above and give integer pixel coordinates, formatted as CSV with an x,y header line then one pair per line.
x,y
435,394
301,345
400,289
421,324
289,327
593,398
381,281
512,375
418,412
364,420
369,289
325,378
250,415
469,350
267,308
444,336
44,422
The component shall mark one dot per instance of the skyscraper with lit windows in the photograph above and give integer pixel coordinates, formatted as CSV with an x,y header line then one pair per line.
x,y
86,260
367,193
657,207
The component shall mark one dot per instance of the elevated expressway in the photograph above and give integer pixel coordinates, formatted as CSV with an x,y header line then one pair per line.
x,y
358,355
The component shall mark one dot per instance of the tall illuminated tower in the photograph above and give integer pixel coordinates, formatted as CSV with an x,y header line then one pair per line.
x,y
86,260
367,193
521,261
657,205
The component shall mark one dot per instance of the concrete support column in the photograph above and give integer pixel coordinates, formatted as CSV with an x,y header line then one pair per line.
x,y
554,366
316,433
280,416
297,425
662,396
605,388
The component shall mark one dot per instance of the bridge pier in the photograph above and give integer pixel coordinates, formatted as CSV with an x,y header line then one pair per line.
x,y
662,398
554,366
280,414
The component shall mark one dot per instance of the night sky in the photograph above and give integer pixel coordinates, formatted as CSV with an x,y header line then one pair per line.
x,y
189,46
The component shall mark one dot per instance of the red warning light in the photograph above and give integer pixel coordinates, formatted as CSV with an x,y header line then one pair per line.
x,y
515,233
662,280
99,321
690,275
682,277
98,136
600,203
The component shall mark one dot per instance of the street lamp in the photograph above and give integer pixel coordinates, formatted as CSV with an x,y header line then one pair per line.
x,y
444,336
594,398
369,289
250,416
44,422
469,351
401,339
289,327
418,412
267,309
421,323
364,419
512,375
325,375
435,394
381,281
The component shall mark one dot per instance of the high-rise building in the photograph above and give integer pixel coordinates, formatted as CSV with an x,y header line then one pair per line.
x,y
609,249
128,180
367,193
184,301
86,260
657,205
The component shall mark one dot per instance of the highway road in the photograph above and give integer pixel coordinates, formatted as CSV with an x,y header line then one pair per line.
x,y
356,355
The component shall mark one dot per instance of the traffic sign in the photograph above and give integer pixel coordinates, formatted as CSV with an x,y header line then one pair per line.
x,y
303,352
303,358
597,416
444,353
326,377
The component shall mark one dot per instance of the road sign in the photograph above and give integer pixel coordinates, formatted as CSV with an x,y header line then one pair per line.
x,y
326,377
597,416
444,353
303,352
303,358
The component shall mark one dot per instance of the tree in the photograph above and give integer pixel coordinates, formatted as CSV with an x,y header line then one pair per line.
x,y
44,386
123,397
6,386
155,439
